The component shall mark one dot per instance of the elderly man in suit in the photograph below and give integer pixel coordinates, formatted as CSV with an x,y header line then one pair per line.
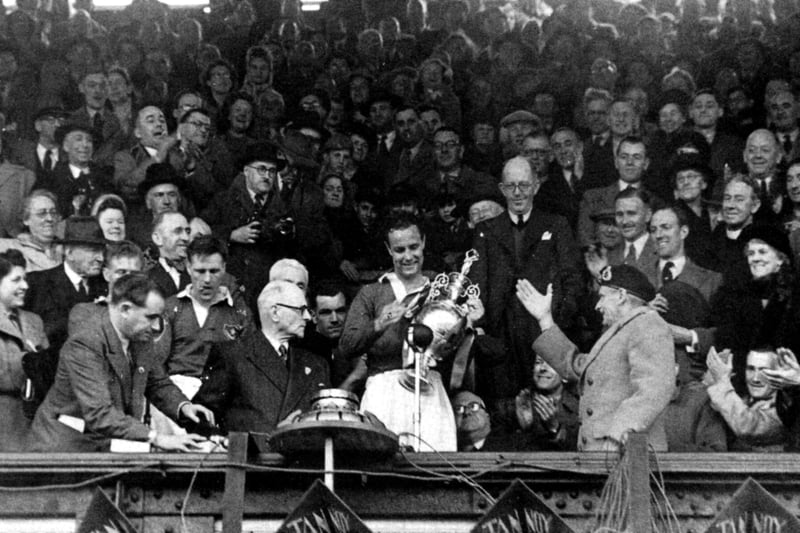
x,y
54,292
106,374
523,243
627,375
171,233
260,379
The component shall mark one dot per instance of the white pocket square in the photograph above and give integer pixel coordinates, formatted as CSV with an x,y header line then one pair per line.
x,y
308,370
546,236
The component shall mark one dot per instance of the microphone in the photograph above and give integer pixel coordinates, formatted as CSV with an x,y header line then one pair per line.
x,y
419,336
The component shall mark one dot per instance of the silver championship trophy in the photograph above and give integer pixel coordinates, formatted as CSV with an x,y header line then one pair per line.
x,y
437,330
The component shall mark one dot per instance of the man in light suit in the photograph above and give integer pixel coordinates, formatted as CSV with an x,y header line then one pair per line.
x,y
260,379
524,243
627,376
669,228
106,373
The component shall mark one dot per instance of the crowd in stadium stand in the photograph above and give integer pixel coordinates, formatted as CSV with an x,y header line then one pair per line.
x,y
208,216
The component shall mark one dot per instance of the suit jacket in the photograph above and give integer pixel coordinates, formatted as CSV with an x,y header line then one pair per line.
x,y
557,197
625,378
15,184
599,163
250,389
61,183
51,295
110,139
646,262
23,152
548,254
704,280
164,280
96,383
470,184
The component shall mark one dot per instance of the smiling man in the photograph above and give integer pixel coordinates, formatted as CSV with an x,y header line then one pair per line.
x,y
752,418
524,243
376,325
669,228
623,376
154,146
761,155
171,236
203,313
632,214
740,203
631,162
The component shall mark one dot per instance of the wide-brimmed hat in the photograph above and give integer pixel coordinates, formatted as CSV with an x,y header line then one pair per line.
x,y
266,151
68,127
298,150
160,174
84,231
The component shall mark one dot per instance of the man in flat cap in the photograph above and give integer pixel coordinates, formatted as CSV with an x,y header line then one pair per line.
x,y
514,127
627,376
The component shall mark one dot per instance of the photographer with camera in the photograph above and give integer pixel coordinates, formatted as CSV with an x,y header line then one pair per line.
x,y
260,227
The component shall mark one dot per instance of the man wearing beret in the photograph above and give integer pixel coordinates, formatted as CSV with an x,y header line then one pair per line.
x,y
628,376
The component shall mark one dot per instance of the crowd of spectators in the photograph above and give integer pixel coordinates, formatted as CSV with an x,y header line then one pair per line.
x,y
289,184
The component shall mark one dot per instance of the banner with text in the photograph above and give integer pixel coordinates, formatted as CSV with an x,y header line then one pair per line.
x,y
520,510
321,511
754,510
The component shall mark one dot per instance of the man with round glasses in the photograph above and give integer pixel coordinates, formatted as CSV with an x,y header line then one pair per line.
x,y
260,379
260,227
524,243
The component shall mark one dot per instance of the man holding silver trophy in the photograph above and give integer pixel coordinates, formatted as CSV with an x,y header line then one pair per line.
x,y
403,319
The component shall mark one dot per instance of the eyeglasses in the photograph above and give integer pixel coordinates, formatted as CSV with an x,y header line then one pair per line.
x,y
226,75
449,145
200,125
44,213
303,309
471,407
510,188
264,170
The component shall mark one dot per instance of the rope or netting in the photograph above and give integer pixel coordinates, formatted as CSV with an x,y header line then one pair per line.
x,y
612,515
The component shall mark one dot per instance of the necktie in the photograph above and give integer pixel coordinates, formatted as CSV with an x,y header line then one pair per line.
x,y
48,160
520,222
666,274
283,353
382,150
630,257
97,121
787,144
260,198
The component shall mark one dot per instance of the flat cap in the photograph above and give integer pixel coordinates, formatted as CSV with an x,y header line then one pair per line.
x,y
519,115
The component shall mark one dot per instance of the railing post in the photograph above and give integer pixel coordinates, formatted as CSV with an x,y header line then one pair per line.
x,y
636,455
233,499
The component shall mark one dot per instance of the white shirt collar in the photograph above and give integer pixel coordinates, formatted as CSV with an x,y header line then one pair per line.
x,y
525,216
622,185
41,150
123,340
150,151
638,244
678,264
399,289
73,276
275,343
76,171
223,294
